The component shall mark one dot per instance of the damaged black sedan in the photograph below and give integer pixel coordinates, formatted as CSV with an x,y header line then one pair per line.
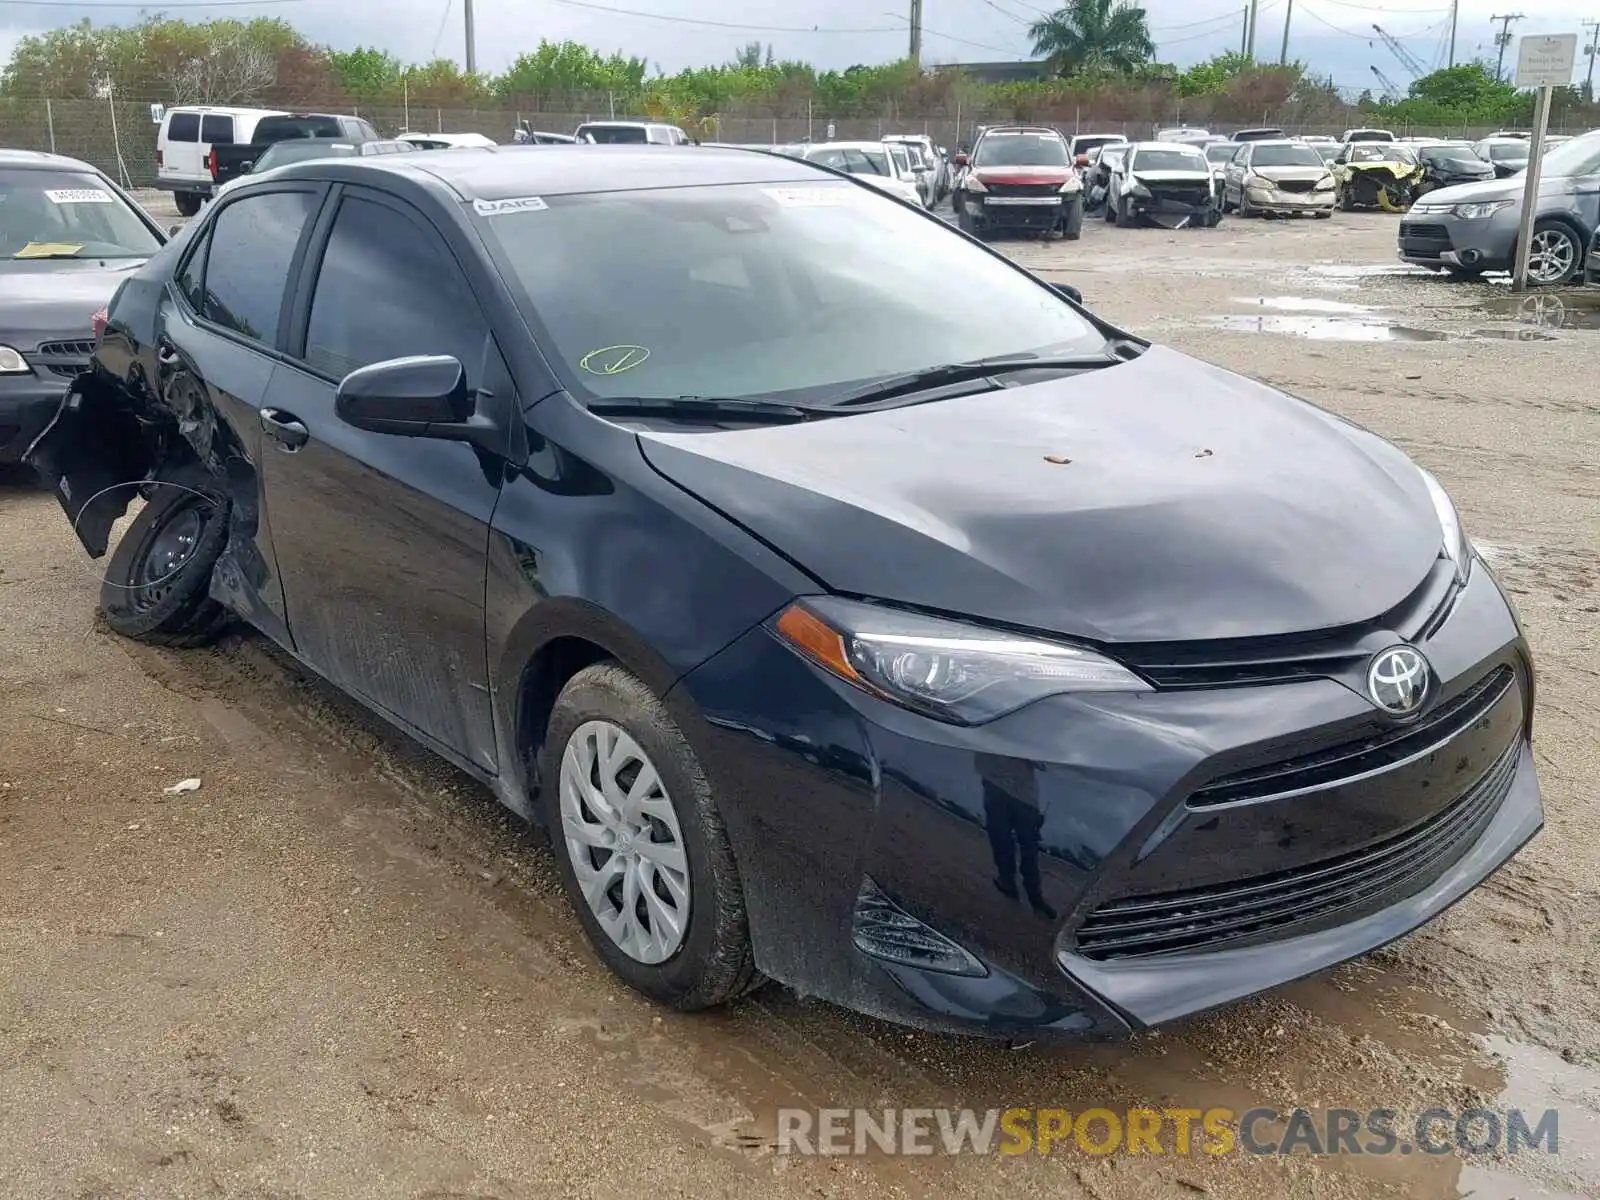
x,y
987,670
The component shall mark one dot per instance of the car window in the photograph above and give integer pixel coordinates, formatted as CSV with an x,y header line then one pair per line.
x,y
1021,150
183,127
387,288
1285,156
1221,152
276,129
1168,160
613,134
252,242
833,283
902,163
191,279
1508,152
1580,156
68,214
217,127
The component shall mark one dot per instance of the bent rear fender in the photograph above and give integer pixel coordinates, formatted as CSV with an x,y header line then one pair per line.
x,y
92,451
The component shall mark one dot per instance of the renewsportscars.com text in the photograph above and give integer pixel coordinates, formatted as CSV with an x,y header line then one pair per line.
x,y
1172,1131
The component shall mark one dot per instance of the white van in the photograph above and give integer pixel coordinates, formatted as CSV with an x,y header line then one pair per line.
x,y
184,144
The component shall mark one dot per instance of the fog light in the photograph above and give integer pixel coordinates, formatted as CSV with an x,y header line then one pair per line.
x,y
882,929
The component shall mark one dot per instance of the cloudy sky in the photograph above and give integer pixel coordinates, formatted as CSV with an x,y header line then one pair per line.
x,y
1334,36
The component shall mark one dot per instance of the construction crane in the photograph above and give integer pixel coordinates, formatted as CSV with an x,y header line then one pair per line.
x,y
1389,88
1407,59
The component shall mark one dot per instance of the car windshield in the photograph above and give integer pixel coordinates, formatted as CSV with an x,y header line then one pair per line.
x,y
615,135
1021,150
1447,151
878,158
1112,155
1285,156
299,150
1510,152
1385,153
1580,156
1169,160
763,290
1327,151
68,214
901,163
1221,152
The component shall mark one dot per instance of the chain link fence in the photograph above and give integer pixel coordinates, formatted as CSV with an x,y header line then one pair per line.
x,y
119,136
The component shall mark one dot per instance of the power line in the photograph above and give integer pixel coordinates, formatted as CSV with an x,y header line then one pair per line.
x,y
1221,18
630,12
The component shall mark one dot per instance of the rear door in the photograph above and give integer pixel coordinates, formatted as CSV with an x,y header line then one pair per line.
x,y
216,129
221,326
382,539
180,146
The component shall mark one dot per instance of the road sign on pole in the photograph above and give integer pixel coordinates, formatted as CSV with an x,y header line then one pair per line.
x,y
1546,61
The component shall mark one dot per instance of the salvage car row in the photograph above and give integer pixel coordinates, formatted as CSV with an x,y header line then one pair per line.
x,y
664,492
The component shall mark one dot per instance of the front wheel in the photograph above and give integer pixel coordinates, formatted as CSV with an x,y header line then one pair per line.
x,y
1554,254
1072,219
640,845
966,222
157,585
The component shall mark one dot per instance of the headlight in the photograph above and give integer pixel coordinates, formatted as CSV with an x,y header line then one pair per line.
x,y
1072,185
974,184
1135,188
12,362
1325,184
1486,209
1455,542
965,674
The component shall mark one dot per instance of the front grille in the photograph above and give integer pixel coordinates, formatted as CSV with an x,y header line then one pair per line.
x,y
1181,193
1381,750
1424,231
1297,185
81,349
1282,903
1024,189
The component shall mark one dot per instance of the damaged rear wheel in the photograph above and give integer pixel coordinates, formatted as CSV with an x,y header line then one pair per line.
x,y
157,586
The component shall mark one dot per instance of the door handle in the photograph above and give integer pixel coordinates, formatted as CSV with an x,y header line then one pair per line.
x,y
287,429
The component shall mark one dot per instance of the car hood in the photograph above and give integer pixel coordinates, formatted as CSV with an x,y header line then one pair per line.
x,y
1465,166
1291,173
57,299
1194,176
1162,499
1488,190
895,187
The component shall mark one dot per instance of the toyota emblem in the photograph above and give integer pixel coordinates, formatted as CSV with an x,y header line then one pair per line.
x,y
1397,680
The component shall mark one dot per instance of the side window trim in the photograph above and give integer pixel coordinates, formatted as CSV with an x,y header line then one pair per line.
x,y
296,263
200,245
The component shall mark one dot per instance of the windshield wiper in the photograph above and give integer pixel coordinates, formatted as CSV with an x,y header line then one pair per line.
x,y
703,408
978,368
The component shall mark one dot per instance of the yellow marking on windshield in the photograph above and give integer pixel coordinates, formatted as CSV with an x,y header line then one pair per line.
x,y
613,360
48,249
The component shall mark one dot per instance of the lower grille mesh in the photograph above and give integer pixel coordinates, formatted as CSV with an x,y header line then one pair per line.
x,y
1207,918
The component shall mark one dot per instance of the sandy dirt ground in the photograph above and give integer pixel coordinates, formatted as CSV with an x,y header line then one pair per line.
x,y
338,969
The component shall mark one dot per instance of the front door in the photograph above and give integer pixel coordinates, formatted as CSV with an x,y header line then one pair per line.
x,y
382,540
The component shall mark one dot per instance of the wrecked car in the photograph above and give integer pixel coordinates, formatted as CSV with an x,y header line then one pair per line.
x,y
981,667
1283,178
1019,180
68,237
1383,175
1163,183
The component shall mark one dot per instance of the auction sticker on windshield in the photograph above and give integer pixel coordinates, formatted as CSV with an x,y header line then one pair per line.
x,y
495,208
49,250
811,197
613,360
77,196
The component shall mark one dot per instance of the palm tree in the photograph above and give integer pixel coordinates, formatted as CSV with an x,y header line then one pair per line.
x,y
1092,36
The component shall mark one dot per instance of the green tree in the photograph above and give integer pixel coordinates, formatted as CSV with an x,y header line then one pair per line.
x,y
365,73
1091,37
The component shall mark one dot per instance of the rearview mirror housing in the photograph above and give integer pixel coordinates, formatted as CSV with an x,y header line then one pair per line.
x,y
1068,291
423,395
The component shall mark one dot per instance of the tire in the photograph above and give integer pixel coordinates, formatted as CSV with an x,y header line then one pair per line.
x,y
1227,205
1111,208
156,587
1557,244
188,203
1347,200
1323,216
706,961
1244,206
1124,212
966,222
1072,221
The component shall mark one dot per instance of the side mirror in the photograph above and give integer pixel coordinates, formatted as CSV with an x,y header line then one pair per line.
x,y
960,160
424,395
1068,291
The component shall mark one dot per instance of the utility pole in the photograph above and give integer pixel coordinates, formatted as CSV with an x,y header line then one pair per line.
x,y
1591,50
1503,39
1455,11
1244,31
472,41
916,33
1283,53
1250,32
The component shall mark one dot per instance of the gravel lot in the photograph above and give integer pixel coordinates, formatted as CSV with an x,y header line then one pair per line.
x,y
338,969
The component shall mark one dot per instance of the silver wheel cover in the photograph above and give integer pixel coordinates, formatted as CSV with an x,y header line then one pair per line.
x,y
624,841
1550,255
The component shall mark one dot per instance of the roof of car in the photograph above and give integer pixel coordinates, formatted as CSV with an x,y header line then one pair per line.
x,y
1285,141
1183,147
506,172
42,161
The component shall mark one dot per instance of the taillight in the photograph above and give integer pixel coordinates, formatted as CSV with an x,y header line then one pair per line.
x,y
211,162
160,159
99,322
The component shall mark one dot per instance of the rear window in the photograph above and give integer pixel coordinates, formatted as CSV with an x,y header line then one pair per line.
x,y
278,129
183,127
215,128
614,135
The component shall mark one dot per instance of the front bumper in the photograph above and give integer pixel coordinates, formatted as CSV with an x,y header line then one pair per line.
x,y
1275,200
1443,239
27,404
1175,209
1014,838
1019,212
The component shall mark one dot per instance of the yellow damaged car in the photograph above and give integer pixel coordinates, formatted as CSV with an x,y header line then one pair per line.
x,y
1381,175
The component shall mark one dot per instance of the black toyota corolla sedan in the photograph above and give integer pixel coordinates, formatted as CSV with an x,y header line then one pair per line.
x,y
985,669
68,237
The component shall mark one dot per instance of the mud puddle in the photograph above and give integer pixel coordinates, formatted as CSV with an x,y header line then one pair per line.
x,y
1569,311
1359,327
